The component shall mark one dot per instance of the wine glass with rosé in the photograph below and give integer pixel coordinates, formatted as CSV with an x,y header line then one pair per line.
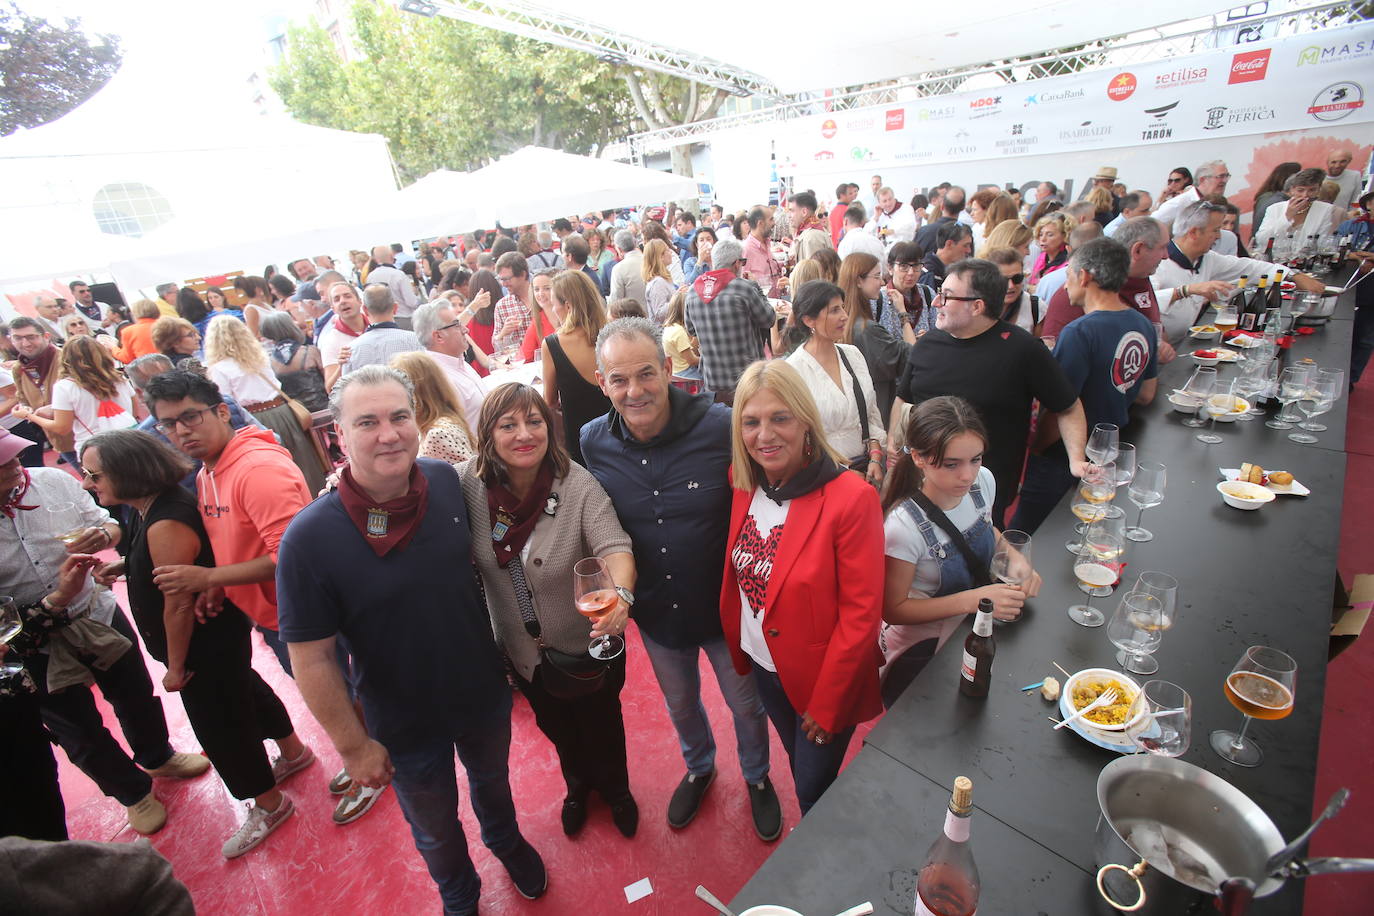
x,y
595,596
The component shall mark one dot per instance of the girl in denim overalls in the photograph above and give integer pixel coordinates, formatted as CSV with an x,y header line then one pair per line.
x,y
929,585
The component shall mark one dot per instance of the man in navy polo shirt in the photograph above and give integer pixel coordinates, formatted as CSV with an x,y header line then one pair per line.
x,y
384,563
662,457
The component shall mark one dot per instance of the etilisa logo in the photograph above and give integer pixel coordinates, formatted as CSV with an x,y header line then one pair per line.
x,y
1350,50
1249,66
1183,76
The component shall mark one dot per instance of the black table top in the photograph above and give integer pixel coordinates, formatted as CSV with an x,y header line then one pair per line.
x,y
1246,578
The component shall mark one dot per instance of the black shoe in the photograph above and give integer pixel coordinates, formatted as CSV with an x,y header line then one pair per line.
x,y
527,870
625,813
574,813
763,802
687,798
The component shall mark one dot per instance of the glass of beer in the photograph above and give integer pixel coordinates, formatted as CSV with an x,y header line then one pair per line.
x,y
1261,686
1226,320
595,596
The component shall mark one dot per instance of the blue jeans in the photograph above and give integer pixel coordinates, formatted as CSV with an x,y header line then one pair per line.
x,y
1047,480
427,789
814,766
679,677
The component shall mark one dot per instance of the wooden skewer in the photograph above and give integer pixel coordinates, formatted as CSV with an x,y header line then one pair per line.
x,y
1054,720
1061,668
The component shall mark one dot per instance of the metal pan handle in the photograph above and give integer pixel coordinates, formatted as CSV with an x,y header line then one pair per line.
x,y
1135,872
1301,868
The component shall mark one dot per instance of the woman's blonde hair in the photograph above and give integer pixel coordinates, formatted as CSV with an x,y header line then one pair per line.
x,y
806,270
586,308
1000,210
228,338
1010,234
1058,218
91,366
1100,198
652,264
434,394
168,330
677,309
779,377
145,308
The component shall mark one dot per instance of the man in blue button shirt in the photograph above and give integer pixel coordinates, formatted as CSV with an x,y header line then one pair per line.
x,y
662,456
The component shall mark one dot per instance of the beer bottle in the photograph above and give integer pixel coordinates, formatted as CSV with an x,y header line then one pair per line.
x,y
947,884
975,675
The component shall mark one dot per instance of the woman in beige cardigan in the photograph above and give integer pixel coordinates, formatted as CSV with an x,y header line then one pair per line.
x,y
533,513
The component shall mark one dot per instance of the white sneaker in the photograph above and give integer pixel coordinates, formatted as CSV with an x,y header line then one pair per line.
x,y
259,824
356,802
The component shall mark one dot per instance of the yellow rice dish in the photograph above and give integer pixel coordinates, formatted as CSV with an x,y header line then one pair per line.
x,y
1086,691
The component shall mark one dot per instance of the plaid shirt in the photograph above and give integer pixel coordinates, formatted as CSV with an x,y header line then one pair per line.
x,y
731,329
508,308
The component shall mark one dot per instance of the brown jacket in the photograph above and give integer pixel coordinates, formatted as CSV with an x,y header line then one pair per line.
x,y
36,396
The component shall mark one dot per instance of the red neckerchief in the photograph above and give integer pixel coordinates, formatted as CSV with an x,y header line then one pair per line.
x,y
390,525
813,223
12,503
345,329
513,519
38,367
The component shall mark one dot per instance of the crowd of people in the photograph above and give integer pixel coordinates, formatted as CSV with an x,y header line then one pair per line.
x,y
703,394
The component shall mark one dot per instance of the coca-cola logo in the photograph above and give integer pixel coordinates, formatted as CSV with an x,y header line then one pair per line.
x,y
896,119
1249,66
1121,87
828,129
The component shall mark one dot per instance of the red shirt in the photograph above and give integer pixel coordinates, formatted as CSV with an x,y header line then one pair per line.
x,y
1135,292
837,223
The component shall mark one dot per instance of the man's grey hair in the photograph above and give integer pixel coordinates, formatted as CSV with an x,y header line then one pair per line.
x,y
1131,200
147,366
1084,233
163,289
425,321
1145,229
1311,178
377,299
725,253
545,239
1208,169
1195,216
1081,210
630,329
1105,260
625,240
368,377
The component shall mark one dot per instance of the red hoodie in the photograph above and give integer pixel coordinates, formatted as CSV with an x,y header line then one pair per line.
x,y
247,501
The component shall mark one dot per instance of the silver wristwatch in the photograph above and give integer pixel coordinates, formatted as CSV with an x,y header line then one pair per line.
x,y
625,595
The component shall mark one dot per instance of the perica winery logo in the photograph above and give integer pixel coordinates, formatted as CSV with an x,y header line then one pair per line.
x,y
1158,128
1222,116
1337,101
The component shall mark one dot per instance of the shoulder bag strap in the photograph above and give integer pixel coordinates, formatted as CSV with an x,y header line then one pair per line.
x,y
524,601
976,566
1035,311
858,399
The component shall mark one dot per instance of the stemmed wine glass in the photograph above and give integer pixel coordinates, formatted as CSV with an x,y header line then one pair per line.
x,y
1102,444
1292,384
1220,403
1337,376
595,596
10,626
1095,492
1135,630
66,519
1097,566
1199,386
1261,686
1318,399
1164,588
1145,491
1125,463
1161,719
1250,384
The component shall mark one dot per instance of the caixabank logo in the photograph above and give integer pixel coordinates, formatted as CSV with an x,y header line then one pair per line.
x,y
1337,101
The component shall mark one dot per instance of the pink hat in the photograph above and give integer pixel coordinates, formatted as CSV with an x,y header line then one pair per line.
x,y
11,445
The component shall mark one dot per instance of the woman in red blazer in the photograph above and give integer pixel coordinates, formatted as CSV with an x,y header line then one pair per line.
x,y
802,598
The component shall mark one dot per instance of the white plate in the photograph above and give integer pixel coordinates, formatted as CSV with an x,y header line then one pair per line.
x,y
1245,342
1296,489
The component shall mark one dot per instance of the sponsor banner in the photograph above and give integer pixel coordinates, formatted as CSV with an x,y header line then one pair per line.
x,y
1252,87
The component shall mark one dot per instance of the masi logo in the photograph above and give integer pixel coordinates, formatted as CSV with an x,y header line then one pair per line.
x,y
1085,133
1158,128
1183,76
943,113
1330,54
1249,67
1337,101
1222,116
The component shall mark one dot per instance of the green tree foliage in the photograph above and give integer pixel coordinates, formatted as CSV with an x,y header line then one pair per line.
x,y
46,70
447,94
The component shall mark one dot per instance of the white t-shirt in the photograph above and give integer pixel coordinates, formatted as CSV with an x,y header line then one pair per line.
x,y
85,408
856,239
753,555
8,421
904,542
245,387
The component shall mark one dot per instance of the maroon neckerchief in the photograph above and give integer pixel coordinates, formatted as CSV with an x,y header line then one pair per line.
x,y
389,525
38,367
513,519
12,503
345,329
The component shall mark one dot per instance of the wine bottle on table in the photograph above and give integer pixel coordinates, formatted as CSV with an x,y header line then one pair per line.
x,y
975,675
947,884
1276,291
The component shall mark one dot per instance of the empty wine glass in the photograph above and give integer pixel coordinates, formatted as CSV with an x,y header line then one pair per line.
x,y
1102,443
1135,629
10,626
1218,404
1292,383
1164,588
1097,566
595,596
1161,719
1261,686
1125,463
1250,384
1338,377
1318,399
1011,563
1145,491
1199,387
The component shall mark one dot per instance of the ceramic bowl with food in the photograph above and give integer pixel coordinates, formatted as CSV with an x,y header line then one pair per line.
x,y
1207,357
1238,407
1204,331
1084,686
1239,494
